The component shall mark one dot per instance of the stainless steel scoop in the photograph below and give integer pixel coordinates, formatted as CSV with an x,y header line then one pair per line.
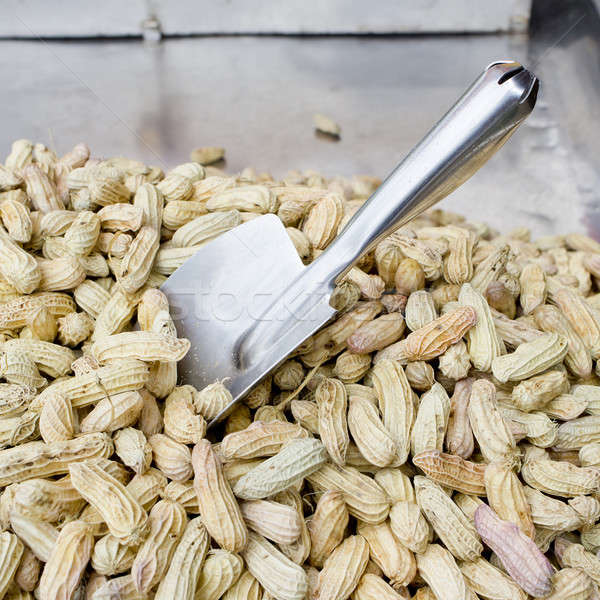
x,y
246,301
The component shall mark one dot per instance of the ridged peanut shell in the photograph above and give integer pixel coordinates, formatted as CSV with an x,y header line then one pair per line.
x,y
369,433
395,560
434,338
506,496
439,569
373,587
395,403
452,471
331,400
260,439
66,564
121,511
530,358
489,582
272,520
559,478
185,567
519,555
343,569
56,419
277,574
218,506
167,521
112,413
489,428
11,551
141,345
296,460
111,556
459,436
38,459
429,428
364,498
327,527
171,457
220,571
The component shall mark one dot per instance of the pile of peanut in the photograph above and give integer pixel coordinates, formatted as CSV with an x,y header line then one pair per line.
x,y
440,440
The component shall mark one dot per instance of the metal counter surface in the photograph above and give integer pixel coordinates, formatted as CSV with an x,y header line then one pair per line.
x,y
256,96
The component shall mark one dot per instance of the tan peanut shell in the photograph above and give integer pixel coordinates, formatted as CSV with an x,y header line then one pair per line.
x,y
576,433
92,386
110,556
56,419
452,471
296,460
66,563
429,428
489,582
571,583
220,571
343,569
581,317
578,358
489,427
40,536
133,449
459,436
28,573
167,521
533,287
377,334
121,511
434,338
455,363
37,459
181,578
171,457
275,521
395,560
140,345
219,508
112,413
246,587
369,433
420,375
11,552
559,478
483,342
277,574
530,358
506,495
395,403
439,569
332,402
419,310
364,498
327,527
260,439
448,521
373,587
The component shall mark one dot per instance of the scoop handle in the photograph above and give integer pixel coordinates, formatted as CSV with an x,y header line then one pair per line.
x,y
462,141
458,145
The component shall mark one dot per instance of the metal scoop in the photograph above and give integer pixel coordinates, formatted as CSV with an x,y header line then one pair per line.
x,y
246,301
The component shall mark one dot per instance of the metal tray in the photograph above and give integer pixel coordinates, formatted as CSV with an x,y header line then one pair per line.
x,y
256,96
